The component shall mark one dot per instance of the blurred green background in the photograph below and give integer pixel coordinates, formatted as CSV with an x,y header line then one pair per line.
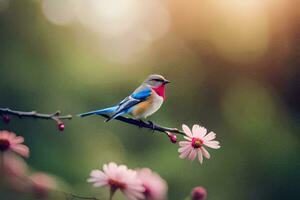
x,y
234,67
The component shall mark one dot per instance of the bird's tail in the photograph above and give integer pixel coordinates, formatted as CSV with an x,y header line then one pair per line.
x,y
99,112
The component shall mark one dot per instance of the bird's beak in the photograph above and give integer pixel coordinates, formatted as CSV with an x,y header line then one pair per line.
x,y
166,82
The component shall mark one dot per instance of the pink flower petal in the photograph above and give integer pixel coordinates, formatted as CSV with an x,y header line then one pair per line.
x,y
184,143
21,149
196,130
187,138
156,187
97,183
18,140
137,187
112,165
212,144
134,195
187,130
205,153
199,131
104,168
210,136
185,153
110,169
193,154
200,157
98,174
131,196
182,149
10,135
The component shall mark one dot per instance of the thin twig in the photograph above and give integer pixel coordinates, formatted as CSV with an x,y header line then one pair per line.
x,y
142,124
81,197
33,114
67,195
2,168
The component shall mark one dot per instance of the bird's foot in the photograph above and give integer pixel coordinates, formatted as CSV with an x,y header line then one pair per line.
x,y
151,125
141,121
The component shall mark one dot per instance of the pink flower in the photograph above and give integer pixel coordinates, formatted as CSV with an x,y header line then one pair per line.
x,y
42,184
14,166
15,172
196,140
198,193
118,177
155,187
10,142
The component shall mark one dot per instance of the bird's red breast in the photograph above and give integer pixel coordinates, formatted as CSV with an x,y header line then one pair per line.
x,y
160,90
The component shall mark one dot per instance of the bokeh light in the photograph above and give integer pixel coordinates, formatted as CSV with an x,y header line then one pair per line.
x,y
110,18
59,12
129,26
242,33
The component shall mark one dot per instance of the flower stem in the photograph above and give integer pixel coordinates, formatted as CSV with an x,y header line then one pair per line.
x,y
112,192
2,173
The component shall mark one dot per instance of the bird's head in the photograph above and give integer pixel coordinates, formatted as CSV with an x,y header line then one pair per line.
x,y
155,80
157,83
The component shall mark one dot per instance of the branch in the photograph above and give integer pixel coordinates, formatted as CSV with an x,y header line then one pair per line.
x,y
74,196
4,112
142,124
68,196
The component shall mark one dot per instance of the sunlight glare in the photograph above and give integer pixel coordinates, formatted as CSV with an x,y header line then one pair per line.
x,y
59,12
242,30
110,18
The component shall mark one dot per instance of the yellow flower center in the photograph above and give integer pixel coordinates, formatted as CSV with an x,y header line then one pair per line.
x,y
196,143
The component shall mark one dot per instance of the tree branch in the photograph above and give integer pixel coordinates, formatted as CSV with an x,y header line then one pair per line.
x,y
33,114
74,197
142,124
4,112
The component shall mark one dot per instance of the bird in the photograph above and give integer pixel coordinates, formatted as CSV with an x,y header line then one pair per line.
x,y
143,101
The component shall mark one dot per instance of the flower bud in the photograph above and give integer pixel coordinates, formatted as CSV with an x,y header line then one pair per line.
x,y
6,119
61,126
172,137
198,193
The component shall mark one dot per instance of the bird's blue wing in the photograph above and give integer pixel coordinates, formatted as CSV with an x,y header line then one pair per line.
x,y
141,95
130,101
135,98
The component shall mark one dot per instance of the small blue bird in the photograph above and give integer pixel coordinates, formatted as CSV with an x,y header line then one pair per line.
x,y
143,102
